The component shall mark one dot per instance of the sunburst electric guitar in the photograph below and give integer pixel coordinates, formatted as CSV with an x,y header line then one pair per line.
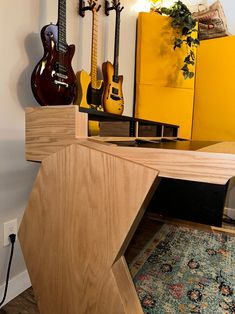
x,y
53,80
90,90
113,101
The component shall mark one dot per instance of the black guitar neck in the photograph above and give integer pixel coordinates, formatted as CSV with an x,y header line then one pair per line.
x,y
62,44
117,38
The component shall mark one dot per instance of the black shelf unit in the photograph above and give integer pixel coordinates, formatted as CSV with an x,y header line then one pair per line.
x,y
136,127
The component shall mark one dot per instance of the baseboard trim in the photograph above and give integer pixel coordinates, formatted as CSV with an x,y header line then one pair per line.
x,y
230,212
16,286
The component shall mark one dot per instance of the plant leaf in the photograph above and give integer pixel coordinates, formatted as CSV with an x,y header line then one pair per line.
x,y
185,68
190,75
183,21
185,74
178,42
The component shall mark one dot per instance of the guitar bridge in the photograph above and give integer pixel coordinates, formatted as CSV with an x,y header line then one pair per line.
x,y
61,83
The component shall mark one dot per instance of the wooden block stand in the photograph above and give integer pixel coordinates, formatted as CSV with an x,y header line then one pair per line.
x,y
86,202
82,212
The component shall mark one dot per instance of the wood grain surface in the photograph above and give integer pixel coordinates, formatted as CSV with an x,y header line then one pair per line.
x,y
197,166
83,210
51,128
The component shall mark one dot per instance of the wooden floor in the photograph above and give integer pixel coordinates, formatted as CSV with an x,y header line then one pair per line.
x,y
25,303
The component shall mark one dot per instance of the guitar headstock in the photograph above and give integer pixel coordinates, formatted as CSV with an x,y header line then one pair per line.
x,y
94,6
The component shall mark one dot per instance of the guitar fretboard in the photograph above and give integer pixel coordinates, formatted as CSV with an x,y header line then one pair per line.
x,y
94,49
116,46
62,45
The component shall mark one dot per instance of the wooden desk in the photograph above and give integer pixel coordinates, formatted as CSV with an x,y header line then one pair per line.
x,y
86,202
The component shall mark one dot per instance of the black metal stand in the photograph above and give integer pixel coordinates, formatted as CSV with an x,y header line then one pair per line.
x,y
115,6
82,7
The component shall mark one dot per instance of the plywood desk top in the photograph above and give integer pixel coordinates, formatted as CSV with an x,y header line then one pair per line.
x,y
203,165
50,129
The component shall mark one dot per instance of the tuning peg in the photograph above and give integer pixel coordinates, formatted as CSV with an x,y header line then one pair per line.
x,y
98,8
121,8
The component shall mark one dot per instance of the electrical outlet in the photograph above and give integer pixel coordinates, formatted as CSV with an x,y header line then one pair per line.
x,y
9,227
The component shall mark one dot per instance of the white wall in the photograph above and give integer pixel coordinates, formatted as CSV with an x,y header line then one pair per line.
x,y
229,10
20,24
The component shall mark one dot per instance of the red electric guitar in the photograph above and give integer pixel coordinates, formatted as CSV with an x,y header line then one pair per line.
x,y
53,80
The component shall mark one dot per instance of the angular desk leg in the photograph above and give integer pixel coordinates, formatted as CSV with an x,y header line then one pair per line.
x,y
83,210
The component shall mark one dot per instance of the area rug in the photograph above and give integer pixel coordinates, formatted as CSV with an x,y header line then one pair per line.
x,y
183,270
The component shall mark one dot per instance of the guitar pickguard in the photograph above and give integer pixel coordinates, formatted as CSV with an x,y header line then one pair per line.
x,y
94,96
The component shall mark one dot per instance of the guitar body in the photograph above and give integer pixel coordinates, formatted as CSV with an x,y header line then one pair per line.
x,y
83,79
83,99
53,80
89,97
113,101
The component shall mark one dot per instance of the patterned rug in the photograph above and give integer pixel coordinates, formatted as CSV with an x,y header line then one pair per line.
x,y
182,270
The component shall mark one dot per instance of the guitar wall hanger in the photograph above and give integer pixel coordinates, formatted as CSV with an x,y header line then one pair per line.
x,y
115,6
82,7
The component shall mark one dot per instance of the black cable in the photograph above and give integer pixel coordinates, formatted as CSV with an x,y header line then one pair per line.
x,y
12,239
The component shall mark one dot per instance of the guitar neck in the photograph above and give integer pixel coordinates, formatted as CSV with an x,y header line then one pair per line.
x,y
94,49
116,46
62,45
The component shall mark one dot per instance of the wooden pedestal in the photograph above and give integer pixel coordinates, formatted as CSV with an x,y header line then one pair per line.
x,y
82,212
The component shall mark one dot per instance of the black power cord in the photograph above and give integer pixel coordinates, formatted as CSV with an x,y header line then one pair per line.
x,y
12,239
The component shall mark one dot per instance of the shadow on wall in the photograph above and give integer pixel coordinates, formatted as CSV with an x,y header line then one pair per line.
x,y
16,176
33,47
168,54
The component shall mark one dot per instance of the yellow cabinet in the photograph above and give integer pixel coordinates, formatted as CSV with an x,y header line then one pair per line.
x,y
214,105
162,94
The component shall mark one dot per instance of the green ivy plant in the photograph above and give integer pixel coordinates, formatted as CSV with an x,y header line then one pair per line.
x,y
185,25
